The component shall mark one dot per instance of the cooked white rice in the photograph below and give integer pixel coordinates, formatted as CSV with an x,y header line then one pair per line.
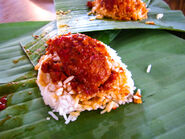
x,y
66,105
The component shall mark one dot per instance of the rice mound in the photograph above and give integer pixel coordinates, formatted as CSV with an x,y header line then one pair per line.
x,y
119,9
68,103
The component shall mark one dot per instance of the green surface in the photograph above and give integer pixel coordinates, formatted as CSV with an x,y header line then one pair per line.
x,y
160,116
78,20
14,64
12,30
34,48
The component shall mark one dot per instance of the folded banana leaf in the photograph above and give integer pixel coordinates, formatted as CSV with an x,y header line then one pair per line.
x,y
78,20
160,116
34,45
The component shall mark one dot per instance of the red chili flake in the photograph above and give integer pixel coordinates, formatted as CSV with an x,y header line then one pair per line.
x,y
114,108
126,94
90,4
128,9
3,101
35,36
109,4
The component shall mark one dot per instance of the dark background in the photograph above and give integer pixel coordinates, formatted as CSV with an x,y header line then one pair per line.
x,y
177,4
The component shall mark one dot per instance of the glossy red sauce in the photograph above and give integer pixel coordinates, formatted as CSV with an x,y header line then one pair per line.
x,y
82,57
55,70
90,4
108,84
109,4
3,101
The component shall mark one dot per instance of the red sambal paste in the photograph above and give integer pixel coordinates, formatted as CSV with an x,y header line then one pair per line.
x,y
90,4
82,57
3,101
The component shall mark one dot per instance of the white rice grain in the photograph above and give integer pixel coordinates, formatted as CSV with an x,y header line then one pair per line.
x,y
70,118
159,16
60,84
48,118
110,106
59,92
136,97
65,116
53,115
104,111
139,91
149,68
73,119
68,79
71,92
76,102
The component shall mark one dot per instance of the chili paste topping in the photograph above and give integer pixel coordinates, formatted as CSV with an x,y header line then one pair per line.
x,y
80,56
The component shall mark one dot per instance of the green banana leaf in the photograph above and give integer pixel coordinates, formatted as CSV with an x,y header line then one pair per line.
x,y
78,20
160,116
14,64
12,30
35,47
